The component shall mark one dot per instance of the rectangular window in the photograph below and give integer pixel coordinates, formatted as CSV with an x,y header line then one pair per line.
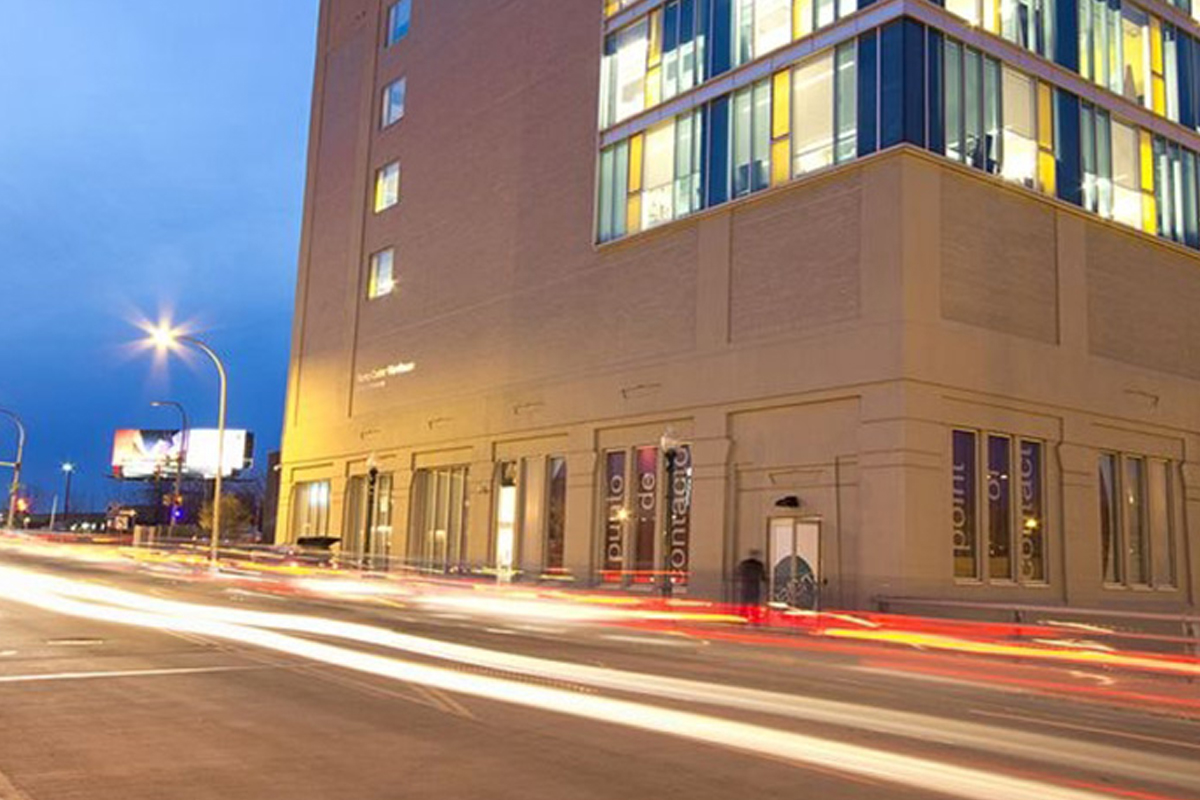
x,y
991,115
1133,493
689,137
772,25
658,196
846,100
743,26
812,110
679,514
1162,539
556,513
646,512
999,504
393,101
954,101
387,187
1110,530
632,50
1096,158
399,20
1135,49
310,511
752,139
381,277
967,9
1030,24
438,538
616,516
964,517
1127,194
614,189
1033,542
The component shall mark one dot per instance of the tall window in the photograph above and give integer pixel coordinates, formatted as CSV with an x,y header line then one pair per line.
x,y
1135,49
310,512
972,94
367,506
438,539
1030,24
556,512
1096,151
1175,192
387,187
1100,43
658,197
762,26
1011,497
752,139
689,139
825,110
399,19
683,46
1019,145
1127,194
614,191
636,490
381,278
1137,542
393,101
623,73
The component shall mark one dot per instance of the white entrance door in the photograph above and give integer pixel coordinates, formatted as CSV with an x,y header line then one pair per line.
x,y
795,561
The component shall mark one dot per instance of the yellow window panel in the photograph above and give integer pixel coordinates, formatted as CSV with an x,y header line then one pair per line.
x,y
781,161
1149,214
636,145
611,7
1147,149
656,39
1159,94
633,215
653,87
1045,116
1156,45
781,108
802,18
1047,173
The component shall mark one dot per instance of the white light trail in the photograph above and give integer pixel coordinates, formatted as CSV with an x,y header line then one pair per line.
x,y
56,595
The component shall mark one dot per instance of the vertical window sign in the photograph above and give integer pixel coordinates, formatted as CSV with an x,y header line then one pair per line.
x,y
647,512
999,495
681,514
616,516
963,481
1033,524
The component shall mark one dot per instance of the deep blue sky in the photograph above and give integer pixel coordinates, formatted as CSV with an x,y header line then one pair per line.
x,y
152,157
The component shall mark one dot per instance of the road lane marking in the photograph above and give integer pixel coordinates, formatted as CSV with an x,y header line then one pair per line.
x,y
124,673
1088,728
612,637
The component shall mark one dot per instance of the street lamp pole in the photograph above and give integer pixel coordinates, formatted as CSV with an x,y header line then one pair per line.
x,y
669,446
15,489
166,338
68,470
180,459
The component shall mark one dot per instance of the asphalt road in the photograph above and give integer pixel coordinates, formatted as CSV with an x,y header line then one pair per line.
x,y
124,698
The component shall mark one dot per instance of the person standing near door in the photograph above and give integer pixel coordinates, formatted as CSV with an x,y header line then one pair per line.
x,y
751,575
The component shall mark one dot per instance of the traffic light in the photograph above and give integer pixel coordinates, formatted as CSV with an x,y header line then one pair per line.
x,y
22,504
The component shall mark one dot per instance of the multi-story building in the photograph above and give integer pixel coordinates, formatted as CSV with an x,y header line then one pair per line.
x,y
613,291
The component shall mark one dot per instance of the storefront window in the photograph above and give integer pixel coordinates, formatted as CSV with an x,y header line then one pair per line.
x,y
963,492
310,514
556,513
438,539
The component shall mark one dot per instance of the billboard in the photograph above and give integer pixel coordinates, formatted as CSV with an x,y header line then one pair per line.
x,y
142,454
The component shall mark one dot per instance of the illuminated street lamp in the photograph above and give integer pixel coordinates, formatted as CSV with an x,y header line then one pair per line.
x,y
68,470
166,339
16,466
180,459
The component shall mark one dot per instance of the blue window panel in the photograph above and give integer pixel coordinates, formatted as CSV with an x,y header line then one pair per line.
x,y
901,100
1187,80
1066,32
718,152
671,27
865,3
720,50
914,86
937,99
1069,172
868,93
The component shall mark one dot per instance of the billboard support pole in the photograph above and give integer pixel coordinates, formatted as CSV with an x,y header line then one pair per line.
x,y
180,460
16,465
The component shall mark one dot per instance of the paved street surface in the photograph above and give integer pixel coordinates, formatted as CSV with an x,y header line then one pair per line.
x,y
112,697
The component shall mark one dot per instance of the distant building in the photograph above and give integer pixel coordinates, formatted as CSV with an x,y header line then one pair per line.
x,y
270,502
913,289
